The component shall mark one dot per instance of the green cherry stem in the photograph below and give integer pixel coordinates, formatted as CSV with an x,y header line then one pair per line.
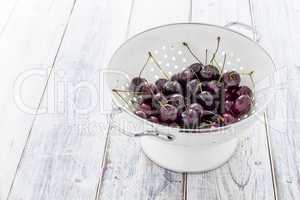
x,y
216,51
116,92
191,52
158,65
223,66
146,63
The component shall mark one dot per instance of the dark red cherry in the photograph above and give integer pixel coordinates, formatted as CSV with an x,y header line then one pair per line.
x,y
146,108
228,118
154,119
191,87
198,108
168,113
148,89
185,76
228,106
136,84
174,77
209,73
160,83
231,93
213,87
196,68
205,99
190,118
244,90
159,100
242,105
177,100
141,114
172,87
231,79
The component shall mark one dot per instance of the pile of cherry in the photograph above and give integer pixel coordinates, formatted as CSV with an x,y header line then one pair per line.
x,y
200,96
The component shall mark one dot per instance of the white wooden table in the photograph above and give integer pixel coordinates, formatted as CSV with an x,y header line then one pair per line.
x,y
52,50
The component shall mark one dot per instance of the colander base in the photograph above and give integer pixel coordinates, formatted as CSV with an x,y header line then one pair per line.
x,y
188,159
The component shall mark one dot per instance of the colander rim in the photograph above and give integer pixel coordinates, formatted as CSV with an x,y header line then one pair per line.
x,y
201,130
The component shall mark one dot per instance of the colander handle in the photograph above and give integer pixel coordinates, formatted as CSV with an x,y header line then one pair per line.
x,y
150,133
256,34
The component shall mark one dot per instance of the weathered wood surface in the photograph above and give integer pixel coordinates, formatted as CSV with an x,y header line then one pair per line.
x,y
63,157
70,156
280,31
246,176
128,173
30,34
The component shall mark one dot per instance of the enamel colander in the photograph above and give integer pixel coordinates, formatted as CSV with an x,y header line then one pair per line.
x,y
189,150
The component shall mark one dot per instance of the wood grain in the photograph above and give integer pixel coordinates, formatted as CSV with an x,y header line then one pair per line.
x,y
247,175
281,38
30,33
128,173
63,157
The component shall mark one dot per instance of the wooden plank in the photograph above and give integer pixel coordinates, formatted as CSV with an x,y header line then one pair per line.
x,y
63,157
283,118
128,173
30,33
247,175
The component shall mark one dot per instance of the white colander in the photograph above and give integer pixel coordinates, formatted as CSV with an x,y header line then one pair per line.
x,y
189,150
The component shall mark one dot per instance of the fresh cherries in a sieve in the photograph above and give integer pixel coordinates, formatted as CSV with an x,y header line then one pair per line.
x,y
200,96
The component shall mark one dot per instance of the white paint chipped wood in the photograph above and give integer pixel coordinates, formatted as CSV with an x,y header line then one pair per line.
x,y
281,37
30,33
66,150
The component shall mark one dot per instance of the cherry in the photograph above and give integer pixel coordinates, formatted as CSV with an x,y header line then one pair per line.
x,y
148,89
141,114
175,77
159,100
205,99
196,68
198,108
190,118
213,87
136,84
154,119
160,83
244,90
146,108
168,113
231,93
242,105
231,79
185,76
209,73
228,118
172,87
228,106
192,87
177,100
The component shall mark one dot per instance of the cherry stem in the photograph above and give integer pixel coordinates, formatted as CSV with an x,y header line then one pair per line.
x,y
206,52
116,92
158,65
217,64
250,74
200,85
146,63
214,55
191,52
223,66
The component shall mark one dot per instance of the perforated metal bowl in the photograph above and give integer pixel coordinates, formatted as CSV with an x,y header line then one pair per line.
x,y
165,43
